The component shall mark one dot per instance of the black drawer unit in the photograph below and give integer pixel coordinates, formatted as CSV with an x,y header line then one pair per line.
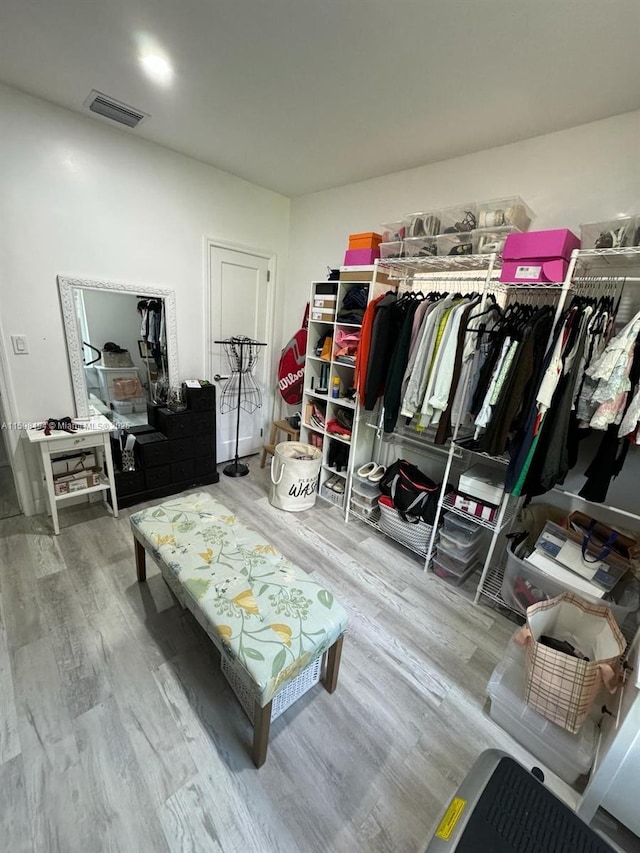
x,y
152,449
201,399
129,482
204,465
140,429
191,447
159,475
152,414
185,424
181,471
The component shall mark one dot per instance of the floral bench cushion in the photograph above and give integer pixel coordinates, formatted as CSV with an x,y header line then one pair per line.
x,y
268,615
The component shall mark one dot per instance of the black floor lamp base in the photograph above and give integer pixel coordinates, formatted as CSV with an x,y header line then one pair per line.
x,y
236,469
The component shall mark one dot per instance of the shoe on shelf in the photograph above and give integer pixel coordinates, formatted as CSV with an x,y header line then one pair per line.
x,y
364,470
378,474
338,486
331,482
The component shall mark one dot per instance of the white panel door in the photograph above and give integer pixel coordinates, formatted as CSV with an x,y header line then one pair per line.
x,y
240,303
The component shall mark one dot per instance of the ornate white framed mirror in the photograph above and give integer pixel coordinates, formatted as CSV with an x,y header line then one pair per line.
x,y
121,343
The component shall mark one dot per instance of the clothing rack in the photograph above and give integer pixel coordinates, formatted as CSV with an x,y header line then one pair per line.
x,y
590,274
242,353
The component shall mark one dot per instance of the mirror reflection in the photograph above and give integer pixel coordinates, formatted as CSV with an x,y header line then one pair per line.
x,y
124,352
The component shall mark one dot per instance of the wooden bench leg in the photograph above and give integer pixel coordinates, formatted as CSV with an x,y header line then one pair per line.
x,y
261,726
330,677
141,561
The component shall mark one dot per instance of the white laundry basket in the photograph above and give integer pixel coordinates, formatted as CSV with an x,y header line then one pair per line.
x,y
294,476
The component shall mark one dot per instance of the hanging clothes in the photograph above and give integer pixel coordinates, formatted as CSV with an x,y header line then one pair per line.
x,y
381,343
362,356
397,367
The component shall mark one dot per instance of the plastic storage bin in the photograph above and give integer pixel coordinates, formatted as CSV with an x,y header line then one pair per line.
x,y
420,247
371,513
569,756
364,496
393,249
449,571
455,244
393,231
456,550
488,240
511,211
524,584
462,531
612,234
461,218
422,224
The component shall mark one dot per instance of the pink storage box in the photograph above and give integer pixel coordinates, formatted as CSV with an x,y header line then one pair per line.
x,y
360,257
538,256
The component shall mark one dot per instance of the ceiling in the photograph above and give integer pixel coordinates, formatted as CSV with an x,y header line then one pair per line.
x,y
302,95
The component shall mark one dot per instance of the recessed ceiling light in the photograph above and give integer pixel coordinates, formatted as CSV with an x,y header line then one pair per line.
x,y
157,67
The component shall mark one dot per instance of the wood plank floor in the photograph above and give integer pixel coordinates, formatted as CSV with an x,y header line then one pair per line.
x,y
119,733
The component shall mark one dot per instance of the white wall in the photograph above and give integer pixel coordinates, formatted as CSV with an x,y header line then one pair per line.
x,y
82,199
585,174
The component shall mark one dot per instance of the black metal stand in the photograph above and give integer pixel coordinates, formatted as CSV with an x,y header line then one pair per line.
x,y
237,468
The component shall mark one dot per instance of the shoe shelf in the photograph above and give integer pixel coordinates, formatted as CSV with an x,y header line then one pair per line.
x,y
339,438
327,298
406,267
335,498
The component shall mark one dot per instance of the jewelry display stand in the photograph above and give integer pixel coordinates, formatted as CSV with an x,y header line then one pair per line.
x,y
241,390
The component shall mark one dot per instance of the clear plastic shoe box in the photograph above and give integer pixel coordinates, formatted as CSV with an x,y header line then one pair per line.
x,y
503,212
569,756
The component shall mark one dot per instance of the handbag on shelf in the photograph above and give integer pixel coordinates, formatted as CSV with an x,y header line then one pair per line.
x,y
599,540
413,494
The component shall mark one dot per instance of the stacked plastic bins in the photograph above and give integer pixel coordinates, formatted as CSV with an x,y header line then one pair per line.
x,y
364,498
567,755
457,550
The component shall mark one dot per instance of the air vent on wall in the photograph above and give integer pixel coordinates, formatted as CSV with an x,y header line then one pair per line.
x,y
108,107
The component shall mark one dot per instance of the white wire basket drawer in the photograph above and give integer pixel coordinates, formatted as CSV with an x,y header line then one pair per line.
x,y
289,694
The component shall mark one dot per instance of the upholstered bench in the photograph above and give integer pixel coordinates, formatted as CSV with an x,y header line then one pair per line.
x,y
273,624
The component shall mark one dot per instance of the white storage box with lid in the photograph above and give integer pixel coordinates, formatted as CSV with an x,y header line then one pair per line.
x,y
569,756
484,483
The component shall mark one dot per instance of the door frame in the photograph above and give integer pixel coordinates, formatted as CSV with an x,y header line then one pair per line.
x,y
272,356
17,456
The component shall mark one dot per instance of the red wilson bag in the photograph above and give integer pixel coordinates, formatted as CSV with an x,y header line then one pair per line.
x,y
291,366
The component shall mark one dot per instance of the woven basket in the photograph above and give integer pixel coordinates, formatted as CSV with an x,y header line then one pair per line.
x,y
282,700
414,535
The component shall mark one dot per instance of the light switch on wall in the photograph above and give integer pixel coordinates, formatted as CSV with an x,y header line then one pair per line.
x,y
20,344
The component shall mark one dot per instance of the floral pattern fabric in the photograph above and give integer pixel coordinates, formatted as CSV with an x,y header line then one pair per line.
x,y
268,615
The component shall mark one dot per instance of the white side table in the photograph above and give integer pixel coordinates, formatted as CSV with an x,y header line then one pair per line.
x,y
94,437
